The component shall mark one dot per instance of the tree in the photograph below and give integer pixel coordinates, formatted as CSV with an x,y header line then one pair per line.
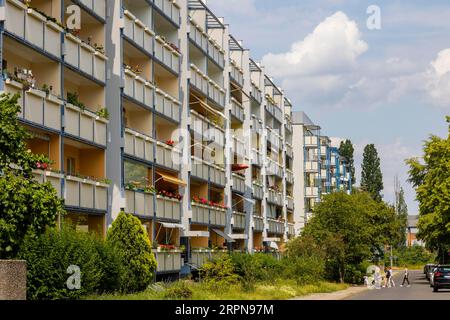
x,y
346,150
401,209
131,242
351,229
26,206
431,179
371,176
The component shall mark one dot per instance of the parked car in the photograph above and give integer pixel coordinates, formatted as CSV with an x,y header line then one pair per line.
x,y
429,270
431,276
425,268
441,277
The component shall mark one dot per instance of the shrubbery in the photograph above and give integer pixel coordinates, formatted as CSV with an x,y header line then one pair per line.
x,y
178,291
123,263
415,255
219,273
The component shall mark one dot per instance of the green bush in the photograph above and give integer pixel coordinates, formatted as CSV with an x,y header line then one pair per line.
x,y
130,241
219,273
304,270
415,255
178,291
48,257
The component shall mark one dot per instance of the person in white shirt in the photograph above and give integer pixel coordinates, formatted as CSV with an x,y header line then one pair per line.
x,y
405,278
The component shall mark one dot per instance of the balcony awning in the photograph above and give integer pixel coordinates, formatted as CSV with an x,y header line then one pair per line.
x,y
273,245
172,225
208,107
224,235
169,178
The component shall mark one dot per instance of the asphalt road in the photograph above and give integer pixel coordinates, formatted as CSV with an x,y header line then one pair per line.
x,y
420,290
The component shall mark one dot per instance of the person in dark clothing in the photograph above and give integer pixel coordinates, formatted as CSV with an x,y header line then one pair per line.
x,y
405,278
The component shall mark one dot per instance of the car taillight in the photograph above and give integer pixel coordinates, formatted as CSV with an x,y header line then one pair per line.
x,y
437,274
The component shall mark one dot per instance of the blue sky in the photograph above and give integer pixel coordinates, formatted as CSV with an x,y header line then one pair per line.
x,y
390,87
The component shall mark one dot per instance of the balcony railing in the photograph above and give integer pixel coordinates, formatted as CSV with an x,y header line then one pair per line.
x,y
274,110
139,203
139,145
288,124
86,194
33,27
311,142
52,177
167,105
217,175
170,8
256,93
274,138
258,223
257,124
167,55
168,156
216,53
323,151
274,168
168,208
312,191
238,220
199,258
138,88
257,158
276,227
237,110
199,79
168,261
138,32
239,147
217,216
275,197
323,174
36,106
85,125
236,74
258,191
238,183
206,128
85,58
199,36
216,93
200,213
312,166
290,203
291,229
208,171
289,176
96,6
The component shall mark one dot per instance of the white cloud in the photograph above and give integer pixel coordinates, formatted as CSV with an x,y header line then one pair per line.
x,y
438,79
333,47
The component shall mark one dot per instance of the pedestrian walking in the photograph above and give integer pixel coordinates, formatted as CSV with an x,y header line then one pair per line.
x,y
386,278
391,282
405,278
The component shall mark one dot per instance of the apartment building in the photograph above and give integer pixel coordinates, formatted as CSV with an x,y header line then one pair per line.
x,y
153,107
324,170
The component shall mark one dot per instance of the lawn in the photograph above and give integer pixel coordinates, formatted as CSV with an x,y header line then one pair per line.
x,y
277,290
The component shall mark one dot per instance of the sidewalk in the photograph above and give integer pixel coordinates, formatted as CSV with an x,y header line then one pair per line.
x,y
338,295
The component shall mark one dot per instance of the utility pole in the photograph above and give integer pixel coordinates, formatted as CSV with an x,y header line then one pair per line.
x,y
391,258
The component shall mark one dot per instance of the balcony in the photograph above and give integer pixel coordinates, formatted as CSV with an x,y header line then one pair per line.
x,y
85,125
218,216
138,32
291,229
216,93
52,177
207,129
289,150
171,10
238,220
216,53
208,171
238,147
312,192
289,176
312,166
85,58
323,151
290,203
257,124
96,6
276,227
168,208
33,27
238,183
199,80
236,74
198,36
256,93
275,197
257,158
167,55
200,257
274,168
139,203
311,142
288,124
138,88
36,106
167,105
168,261
274,138
258,191
237,110
273,109
323,174
168,156
86,194
139,146
258,223
217,175
200,213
